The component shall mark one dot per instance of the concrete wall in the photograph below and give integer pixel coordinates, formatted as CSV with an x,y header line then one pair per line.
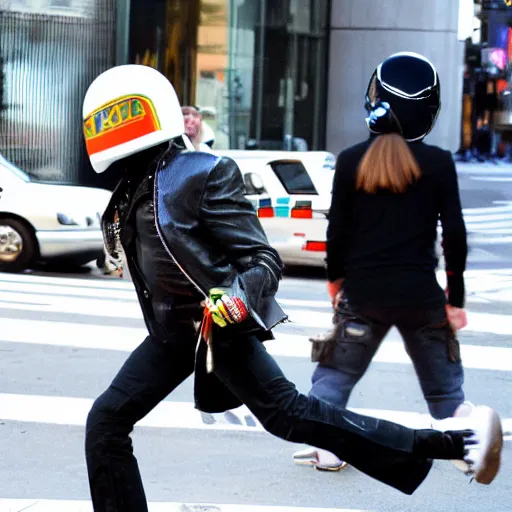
x,y
365,32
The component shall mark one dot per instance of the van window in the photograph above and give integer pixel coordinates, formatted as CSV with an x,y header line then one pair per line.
x,y
294,177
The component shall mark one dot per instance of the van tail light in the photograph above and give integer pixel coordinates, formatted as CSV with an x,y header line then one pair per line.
x,y
315,246
302,213
265,212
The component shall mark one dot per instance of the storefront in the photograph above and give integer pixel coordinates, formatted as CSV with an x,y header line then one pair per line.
x,y
256,69
487,101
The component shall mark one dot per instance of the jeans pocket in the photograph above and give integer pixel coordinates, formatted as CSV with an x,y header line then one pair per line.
x,y
442,332
322,350
350,352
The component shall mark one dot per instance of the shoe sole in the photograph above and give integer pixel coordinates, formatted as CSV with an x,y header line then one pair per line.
x,y
492,460
334,468
313,461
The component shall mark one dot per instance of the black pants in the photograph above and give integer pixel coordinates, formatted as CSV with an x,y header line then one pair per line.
x,y
381,449
429,341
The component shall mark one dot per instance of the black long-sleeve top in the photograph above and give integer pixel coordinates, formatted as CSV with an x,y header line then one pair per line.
x,y
383,244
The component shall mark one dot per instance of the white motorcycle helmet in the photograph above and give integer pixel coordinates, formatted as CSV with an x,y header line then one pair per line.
x,y
128,109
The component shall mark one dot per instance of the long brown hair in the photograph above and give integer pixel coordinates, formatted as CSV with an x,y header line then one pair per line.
x,y
387,164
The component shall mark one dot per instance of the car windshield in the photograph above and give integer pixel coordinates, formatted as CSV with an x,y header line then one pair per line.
x,y
16,170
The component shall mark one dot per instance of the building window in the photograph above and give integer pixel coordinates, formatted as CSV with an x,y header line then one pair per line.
x,y
256,68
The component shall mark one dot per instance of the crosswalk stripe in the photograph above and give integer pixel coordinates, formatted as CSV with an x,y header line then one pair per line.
x,y
37,505
484,218
68,411
490,230
487,209
488,240
68,291
107,308
491,178
393,352
123,288
123,339
89,282
17,292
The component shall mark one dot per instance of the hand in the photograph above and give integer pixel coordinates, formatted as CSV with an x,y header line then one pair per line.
x,y
225,310
335,290
457,317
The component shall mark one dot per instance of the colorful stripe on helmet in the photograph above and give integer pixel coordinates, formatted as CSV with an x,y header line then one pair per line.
x,y
119,121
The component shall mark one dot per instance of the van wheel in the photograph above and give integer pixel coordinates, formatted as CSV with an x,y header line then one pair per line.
x,y
17,245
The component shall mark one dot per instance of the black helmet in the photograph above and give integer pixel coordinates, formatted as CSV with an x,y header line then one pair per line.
x,y
404,96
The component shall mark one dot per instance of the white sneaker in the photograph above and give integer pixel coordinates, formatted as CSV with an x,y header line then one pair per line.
x,y
483,448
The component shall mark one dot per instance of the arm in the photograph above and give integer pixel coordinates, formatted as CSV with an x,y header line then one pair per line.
x,y
454,234
337,230
231,220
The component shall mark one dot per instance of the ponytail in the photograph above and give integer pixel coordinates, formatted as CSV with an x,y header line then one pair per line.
x,y
387,164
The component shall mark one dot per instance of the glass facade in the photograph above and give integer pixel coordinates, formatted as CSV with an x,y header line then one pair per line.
x,y
256,69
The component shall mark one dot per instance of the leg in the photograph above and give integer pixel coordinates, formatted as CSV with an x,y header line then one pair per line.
x,y
386,451
151,372
357,338
434,350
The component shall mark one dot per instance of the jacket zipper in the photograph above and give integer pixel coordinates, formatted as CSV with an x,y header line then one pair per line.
x,y
162,239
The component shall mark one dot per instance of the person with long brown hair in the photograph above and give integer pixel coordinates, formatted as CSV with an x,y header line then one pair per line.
x,y
389,193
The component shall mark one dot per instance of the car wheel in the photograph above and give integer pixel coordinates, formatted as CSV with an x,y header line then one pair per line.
x,y
18,246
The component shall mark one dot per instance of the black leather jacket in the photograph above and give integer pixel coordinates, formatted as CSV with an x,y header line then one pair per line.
x,y
213,235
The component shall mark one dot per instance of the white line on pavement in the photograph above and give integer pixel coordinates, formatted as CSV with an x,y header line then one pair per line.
x,y
496,240
42,290
489,323
487,209
477,322
39,505
125,339
89,282
488,217
68,411
68,291
491,178
488,230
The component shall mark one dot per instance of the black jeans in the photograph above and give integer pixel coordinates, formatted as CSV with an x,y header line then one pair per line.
x,y
429,341
381,449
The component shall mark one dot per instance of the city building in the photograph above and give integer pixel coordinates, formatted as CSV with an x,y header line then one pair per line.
x,y
270,74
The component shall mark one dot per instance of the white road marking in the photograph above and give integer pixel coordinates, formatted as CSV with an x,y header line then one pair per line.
x,y
487,209
40,505
124,339
68,411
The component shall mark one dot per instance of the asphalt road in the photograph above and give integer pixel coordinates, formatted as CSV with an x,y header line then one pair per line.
x,y
63,338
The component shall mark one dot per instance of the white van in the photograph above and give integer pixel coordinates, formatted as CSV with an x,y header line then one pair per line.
x,y
47,222
291,192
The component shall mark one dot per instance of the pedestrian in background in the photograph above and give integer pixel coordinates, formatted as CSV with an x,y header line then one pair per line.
x,y
389,193
194,128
